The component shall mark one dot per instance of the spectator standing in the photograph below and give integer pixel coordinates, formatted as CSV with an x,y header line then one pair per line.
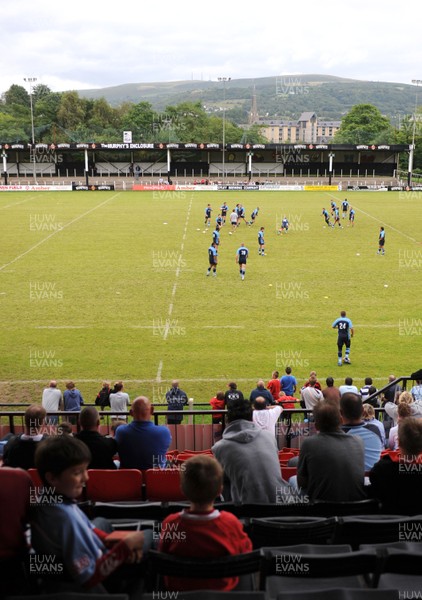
x,y
72,400
348,387
274,385
367,390
232,393
119,402
52,401
176,399
264,416
261,392
288,383
217,403
310,395
103,397
331,393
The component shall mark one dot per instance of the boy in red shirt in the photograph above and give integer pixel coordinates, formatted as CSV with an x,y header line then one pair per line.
x,y
201,531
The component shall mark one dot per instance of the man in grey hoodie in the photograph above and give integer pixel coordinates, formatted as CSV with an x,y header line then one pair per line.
x,y
249,457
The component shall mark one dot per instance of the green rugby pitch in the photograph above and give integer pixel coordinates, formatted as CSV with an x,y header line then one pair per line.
x,y
112,285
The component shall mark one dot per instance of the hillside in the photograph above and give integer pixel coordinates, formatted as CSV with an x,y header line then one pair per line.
x,y
285,96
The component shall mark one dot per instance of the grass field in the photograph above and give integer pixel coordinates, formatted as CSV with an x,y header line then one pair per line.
x,y
112,285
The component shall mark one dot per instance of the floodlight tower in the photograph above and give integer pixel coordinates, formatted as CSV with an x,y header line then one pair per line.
x,y
416,82
224,80
31,81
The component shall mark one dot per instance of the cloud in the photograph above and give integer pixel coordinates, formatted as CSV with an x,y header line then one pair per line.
x,y
91,45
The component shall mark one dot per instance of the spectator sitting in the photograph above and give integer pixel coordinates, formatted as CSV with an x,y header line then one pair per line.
x,y
288,383
103,449
406,397
351,412
217,403
119,402
369,417
331,463
203,531
264,416
176,400
416,391
72,400
249,457
63,532
20,449
274,386
403,411
348,387
52,401
367,390
396,480
331,393
64,428
261,392
232,393
392,393
141,444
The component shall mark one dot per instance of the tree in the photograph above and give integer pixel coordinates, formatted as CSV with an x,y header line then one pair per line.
x,y
72,111
139,120
16,95
363,124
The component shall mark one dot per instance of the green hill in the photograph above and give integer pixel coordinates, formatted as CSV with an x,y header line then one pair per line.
x,y
276,97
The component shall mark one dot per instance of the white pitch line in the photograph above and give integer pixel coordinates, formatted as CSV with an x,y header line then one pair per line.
x,y
52,234
160,368
173,292
17,203
383,223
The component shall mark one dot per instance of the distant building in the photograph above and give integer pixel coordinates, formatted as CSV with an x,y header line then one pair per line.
x,y
307,130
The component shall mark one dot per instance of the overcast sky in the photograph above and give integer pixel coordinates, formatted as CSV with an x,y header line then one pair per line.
x,y
91,44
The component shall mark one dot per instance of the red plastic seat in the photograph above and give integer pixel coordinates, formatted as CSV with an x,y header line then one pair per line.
x,y
15,495
109,485
36,479
287,472
163,485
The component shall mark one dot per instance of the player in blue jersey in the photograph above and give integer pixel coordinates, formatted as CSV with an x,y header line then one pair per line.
x,y
381,241
337,217
261,241
254,215
326,217
344,327
241,215
219,220
216,236
208,212
344,208
241,258
224,208
333,207
284,225
212,259
352,217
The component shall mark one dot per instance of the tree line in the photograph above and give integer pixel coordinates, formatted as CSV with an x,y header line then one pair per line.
x,y
66,117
